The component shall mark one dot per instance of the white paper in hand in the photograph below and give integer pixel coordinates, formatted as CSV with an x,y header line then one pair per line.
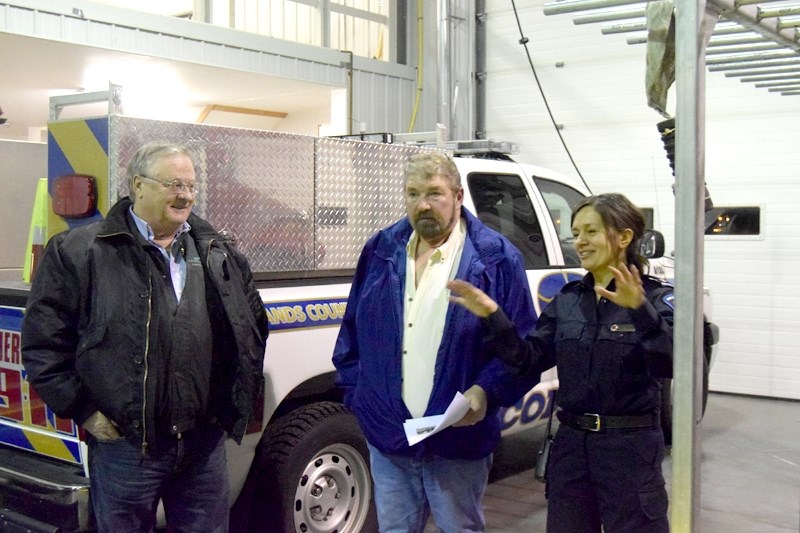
x,y
419,429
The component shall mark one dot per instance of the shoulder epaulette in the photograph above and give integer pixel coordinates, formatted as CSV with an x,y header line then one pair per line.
x,y
658,282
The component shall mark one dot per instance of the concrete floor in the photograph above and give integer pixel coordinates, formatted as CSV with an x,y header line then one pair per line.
x,y
750,472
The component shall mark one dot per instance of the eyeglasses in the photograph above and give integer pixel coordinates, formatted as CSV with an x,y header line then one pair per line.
x,y
174,186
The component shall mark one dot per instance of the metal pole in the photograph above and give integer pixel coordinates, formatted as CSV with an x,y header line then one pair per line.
x,y
689,195
764,71
325,19
113,96
443,82
772,77
760,56
480,70
607,16
769,63
571,6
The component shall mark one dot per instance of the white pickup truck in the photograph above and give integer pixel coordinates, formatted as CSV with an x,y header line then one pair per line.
x,y
300,208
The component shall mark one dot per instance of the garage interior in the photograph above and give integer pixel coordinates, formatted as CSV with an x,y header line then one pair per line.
x,y
744,104
749,472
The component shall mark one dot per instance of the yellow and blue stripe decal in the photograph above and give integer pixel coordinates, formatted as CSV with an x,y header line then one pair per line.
x,y
25,421
314,313
41,442
301,314
11,318
78,147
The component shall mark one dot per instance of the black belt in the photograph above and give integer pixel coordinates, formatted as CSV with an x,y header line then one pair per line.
x,y
595,422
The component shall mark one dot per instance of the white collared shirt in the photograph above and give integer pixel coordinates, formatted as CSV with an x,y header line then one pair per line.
x,y
424,311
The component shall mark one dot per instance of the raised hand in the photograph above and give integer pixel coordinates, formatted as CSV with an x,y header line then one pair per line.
x,y
630,291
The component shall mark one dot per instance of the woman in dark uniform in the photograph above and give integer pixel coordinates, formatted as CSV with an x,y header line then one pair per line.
x,y
610,336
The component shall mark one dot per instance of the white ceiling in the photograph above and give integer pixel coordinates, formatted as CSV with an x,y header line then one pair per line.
x,y
32,70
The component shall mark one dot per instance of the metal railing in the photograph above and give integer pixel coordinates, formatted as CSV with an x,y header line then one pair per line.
x,y
754,41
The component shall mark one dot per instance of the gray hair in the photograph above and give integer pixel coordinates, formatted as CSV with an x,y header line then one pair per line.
x,y
141,163
428,164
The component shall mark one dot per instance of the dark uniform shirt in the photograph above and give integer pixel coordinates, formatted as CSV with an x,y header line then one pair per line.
x,y
609,358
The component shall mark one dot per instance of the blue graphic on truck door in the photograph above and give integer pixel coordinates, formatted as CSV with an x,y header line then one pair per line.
x,y
552,284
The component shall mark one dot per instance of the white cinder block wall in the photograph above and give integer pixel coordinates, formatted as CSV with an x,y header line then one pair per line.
x,y
752,158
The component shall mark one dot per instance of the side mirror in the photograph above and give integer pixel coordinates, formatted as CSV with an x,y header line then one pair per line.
x,y
652,245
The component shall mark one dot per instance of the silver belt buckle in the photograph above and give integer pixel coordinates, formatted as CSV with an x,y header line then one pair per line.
x,y
596,422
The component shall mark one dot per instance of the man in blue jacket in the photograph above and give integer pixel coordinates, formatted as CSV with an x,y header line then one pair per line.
x,y
404,351
147,330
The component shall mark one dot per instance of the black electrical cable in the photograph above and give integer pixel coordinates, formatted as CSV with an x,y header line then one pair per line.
x,y
524,42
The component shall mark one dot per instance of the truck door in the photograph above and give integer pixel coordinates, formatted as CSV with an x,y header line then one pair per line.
x,y
536,222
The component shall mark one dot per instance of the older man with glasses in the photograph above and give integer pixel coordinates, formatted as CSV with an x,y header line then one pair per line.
x,y
147,330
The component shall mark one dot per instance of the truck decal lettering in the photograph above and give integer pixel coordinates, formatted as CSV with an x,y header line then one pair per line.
x,y
25,421
9,348
20,402
527,410
285,315
305,313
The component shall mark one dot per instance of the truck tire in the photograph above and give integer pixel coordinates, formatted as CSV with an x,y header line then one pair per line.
x,y
666,399
313,474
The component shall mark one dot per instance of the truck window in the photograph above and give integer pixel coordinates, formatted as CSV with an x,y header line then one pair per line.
x,y
502,203
560,200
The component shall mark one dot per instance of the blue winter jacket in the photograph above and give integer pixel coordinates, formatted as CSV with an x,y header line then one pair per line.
x,y
368,356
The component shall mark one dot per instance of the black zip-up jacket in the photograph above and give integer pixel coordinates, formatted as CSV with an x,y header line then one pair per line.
x,y
86,328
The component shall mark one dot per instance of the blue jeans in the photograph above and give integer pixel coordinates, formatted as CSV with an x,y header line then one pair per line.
x,y
191,478
407,490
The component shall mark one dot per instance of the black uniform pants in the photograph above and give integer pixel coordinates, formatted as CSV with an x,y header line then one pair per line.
x,y
611,479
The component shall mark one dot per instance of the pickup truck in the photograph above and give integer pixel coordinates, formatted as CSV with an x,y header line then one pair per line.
x,y
300,208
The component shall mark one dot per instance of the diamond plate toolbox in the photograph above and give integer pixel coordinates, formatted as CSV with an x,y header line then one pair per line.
x,y
292,202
